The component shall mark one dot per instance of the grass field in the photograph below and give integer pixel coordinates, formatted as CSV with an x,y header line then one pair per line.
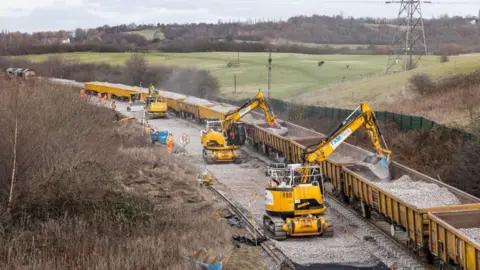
x,y
149,34
292,74
381,89
297,77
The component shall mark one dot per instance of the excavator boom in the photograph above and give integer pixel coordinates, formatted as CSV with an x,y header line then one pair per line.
x,y
362,116
258,101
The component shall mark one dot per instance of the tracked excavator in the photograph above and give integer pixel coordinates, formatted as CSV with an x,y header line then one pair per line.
x,y
294,197
155,105
222,138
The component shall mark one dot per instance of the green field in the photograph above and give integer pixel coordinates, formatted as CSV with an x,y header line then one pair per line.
x,y
149,34
295,76
382,90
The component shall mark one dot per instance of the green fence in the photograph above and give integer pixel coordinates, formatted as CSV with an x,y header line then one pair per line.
x,y
405,122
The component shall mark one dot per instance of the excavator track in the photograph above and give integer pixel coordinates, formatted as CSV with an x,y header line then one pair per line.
x,y
328,232
207,158
273,227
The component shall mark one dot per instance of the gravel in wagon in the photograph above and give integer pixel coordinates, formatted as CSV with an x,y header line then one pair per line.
x,y
473,233
418,193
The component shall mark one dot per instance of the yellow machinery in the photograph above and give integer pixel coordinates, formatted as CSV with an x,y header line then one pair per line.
x,y
294,198
155,106
221,138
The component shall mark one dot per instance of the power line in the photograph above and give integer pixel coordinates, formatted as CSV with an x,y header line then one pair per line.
x,y
270,68
409,36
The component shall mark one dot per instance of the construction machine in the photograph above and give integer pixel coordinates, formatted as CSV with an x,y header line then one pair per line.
x,y
155,105
221,138
294,197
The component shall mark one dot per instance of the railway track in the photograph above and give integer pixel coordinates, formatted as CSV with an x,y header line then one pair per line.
x,y
278,257
377,230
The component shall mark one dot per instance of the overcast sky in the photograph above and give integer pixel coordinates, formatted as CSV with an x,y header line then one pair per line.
x,y
44,15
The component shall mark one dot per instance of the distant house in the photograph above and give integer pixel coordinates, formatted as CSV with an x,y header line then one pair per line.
x,y
52,41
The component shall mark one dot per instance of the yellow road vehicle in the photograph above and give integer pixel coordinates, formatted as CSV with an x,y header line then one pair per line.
x,y
294,198
221,138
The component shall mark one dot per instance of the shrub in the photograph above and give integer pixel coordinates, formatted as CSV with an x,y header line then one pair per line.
x,y
444,58
422,84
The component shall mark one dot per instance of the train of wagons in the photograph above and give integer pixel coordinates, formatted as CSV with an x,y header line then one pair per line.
x,y
436,233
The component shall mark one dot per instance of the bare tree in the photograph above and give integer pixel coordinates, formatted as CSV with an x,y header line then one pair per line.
x,y
136,68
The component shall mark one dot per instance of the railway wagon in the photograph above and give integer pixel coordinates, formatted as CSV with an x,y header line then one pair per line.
x,y
215,111
190,106
404,201
288,147
118,91
455,239
172,99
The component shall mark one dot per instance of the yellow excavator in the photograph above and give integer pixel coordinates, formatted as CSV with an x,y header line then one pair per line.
x,y
155,105
294,198
221,138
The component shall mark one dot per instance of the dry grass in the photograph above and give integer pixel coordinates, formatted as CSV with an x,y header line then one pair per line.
x,y
451,108
81,203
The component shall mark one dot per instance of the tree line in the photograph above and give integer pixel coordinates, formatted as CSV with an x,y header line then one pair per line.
x,y
444,35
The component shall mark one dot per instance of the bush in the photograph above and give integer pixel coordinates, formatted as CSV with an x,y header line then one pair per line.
x,y
444,58
422,84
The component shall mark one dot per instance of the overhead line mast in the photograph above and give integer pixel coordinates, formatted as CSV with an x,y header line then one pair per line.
x,y
408,43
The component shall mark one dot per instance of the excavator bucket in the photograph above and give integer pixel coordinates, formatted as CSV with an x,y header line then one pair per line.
x,y
280,130
378,166
384,162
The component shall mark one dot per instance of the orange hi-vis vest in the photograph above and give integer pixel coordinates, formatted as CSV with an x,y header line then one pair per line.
x,y
169,143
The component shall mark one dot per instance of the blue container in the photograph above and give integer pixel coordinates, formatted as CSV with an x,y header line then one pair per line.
x,y
160,136
216,266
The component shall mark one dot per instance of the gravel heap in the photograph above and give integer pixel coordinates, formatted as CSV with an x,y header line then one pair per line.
x,y
196,101
420,194
338,158
473,233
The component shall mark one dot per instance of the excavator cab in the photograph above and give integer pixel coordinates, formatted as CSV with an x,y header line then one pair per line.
x,y
236,134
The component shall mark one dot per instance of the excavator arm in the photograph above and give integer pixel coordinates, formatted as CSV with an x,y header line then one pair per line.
x,y
257,101
362,116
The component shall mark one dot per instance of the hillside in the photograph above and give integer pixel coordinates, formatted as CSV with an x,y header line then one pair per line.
x,y
312,34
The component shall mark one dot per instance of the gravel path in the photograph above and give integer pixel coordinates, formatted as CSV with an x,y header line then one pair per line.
x,y
245,183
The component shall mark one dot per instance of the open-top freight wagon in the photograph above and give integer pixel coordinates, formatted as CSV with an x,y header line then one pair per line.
x,y
217,111
190,107
117,91
455,238
172,100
